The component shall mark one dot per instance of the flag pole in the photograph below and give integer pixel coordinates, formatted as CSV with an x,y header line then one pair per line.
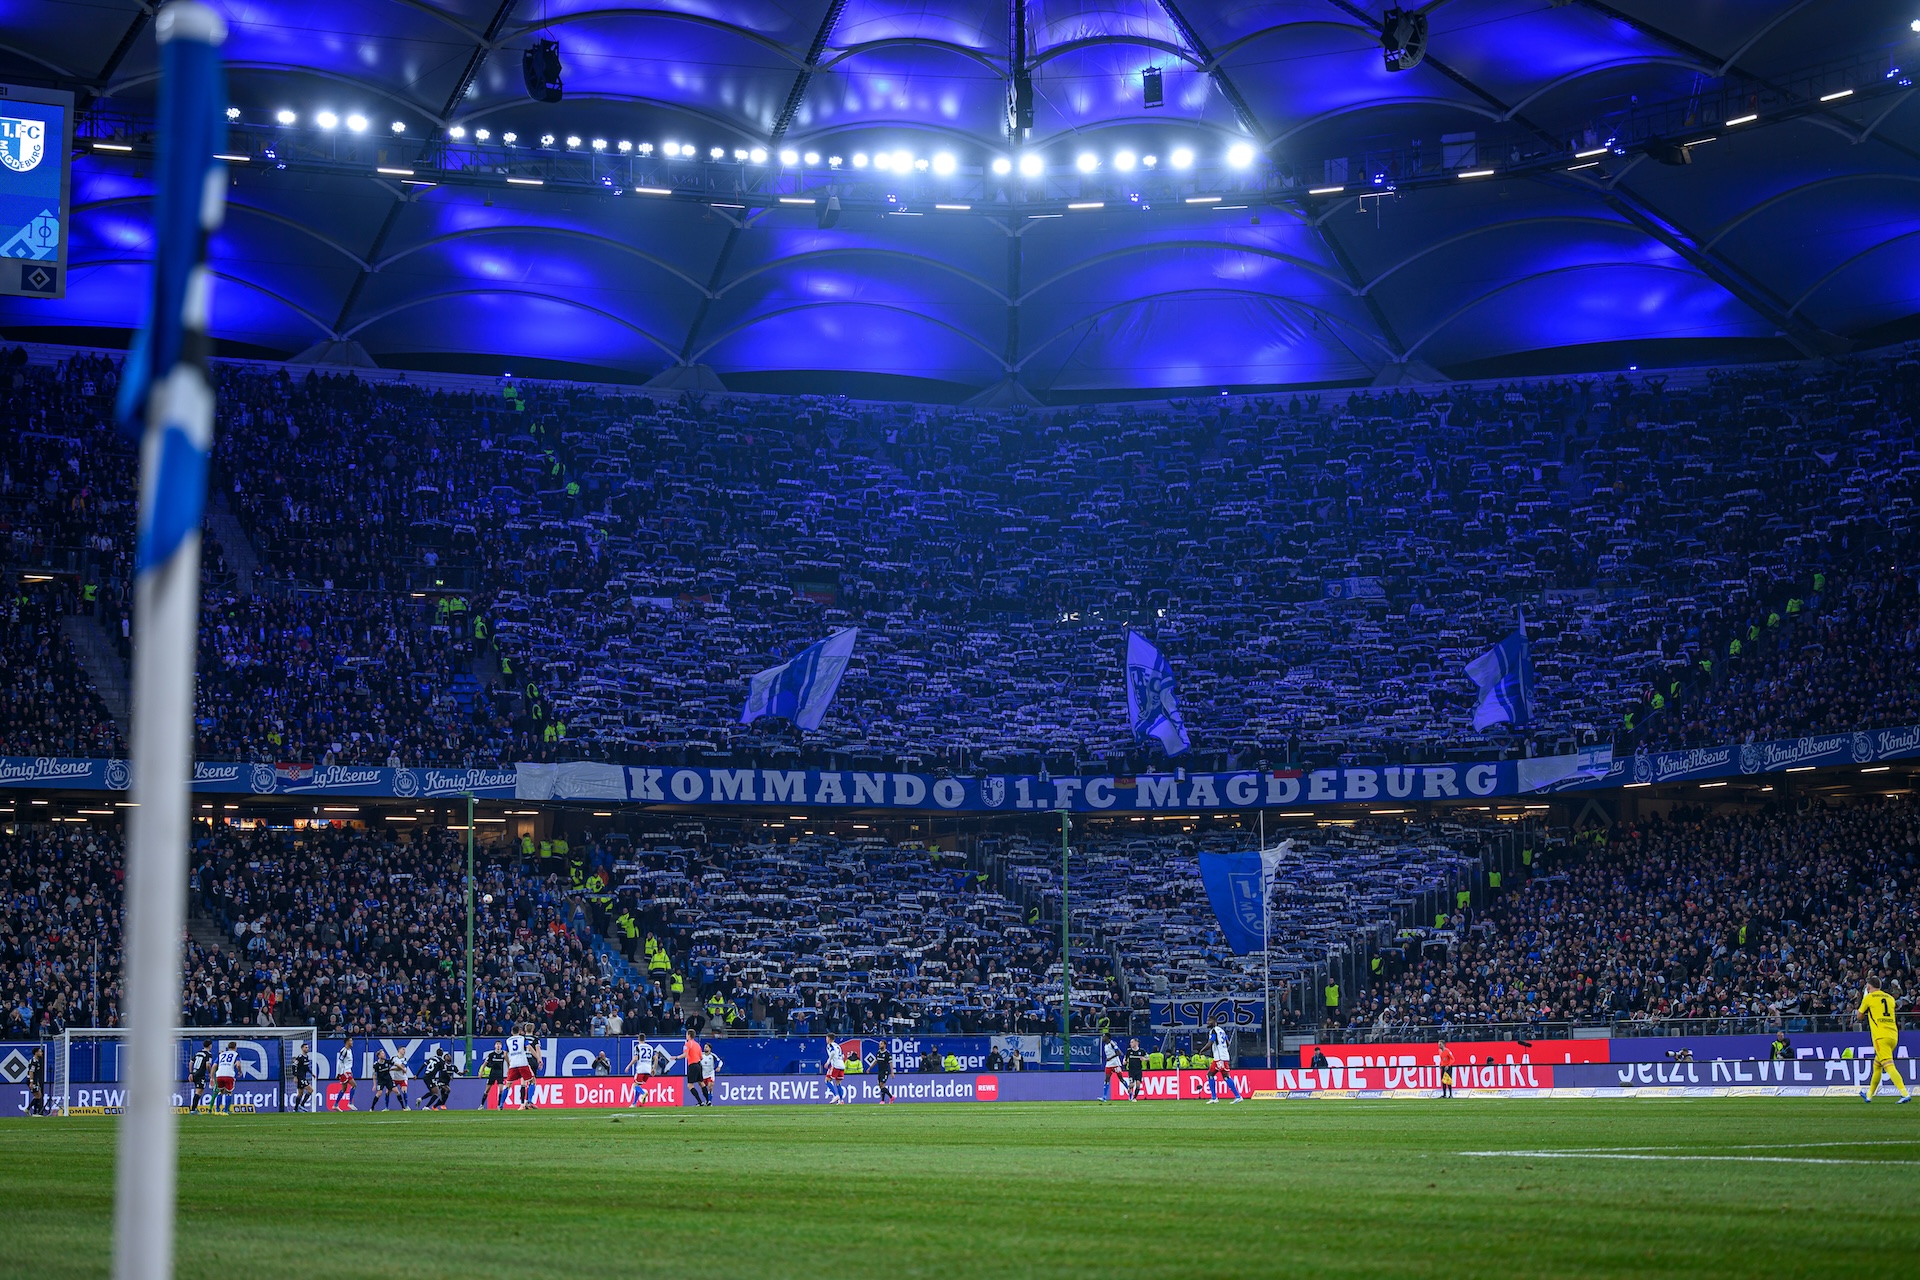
x,y
1066,955
166,391
1266,946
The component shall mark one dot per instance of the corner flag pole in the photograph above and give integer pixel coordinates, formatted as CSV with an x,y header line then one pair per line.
x,y
166,394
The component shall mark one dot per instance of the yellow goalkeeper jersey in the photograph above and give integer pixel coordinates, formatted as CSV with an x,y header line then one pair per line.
x,y
1877,1008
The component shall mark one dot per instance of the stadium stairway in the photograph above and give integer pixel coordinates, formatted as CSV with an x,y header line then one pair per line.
x,y
101,661
204,929
235,546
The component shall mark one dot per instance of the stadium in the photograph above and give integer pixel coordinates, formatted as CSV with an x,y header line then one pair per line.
x,y
781,637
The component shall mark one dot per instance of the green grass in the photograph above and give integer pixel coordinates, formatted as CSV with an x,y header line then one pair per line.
x,y
1298,1189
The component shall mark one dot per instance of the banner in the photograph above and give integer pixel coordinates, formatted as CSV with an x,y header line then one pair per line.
x,y
1426,1053
1593,769
1242,1012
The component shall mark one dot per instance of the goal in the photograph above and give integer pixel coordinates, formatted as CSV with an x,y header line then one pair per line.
x,y
86,1073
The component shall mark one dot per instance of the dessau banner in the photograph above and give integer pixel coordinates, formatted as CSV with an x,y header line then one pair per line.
x,y
668,785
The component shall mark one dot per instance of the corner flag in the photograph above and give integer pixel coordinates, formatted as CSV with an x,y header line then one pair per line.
x,y
166,394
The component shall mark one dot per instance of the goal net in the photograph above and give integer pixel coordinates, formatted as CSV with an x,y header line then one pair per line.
x,y
86,1074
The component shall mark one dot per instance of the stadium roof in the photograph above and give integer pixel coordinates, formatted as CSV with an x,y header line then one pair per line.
x,y
1789,234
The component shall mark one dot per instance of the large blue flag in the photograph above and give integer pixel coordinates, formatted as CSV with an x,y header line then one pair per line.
x,y
1150,703
1237,885
802,687
1505,679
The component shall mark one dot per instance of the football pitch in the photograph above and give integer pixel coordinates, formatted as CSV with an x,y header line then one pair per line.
x,y
1395,1188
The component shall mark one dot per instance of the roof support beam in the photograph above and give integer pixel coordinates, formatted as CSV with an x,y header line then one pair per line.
x,y
475,61
1813,342
1221,80
713,291
121,50
804,76
1324,228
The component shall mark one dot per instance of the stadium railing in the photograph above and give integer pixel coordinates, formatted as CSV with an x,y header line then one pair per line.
x,y
1415,1033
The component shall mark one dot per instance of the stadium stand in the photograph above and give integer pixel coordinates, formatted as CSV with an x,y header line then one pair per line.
x,y
1765,917
572,573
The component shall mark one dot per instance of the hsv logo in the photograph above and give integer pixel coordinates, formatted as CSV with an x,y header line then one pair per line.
x,y
986,1088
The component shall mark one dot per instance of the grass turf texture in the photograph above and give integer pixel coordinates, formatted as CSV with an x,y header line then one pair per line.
x,y
1082,1189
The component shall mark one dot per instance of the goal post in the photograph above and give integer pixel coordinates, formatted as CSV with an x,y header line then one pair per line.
x,y
89,1071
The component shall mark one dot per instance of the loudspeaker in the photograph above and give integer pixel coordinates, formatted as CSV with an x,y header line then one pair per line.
x,y
1020,104
1667,152
540,65
1150,82
1404,37
829,212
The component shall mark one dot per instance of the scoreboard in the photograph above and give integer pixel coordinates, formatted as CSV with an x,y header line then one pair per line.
x,y
36,148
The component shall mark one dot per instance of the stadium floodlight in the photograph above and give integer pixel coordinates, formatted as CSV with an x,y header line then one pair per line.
x,y
599,144
573,140
1124,161
546,139
902,161
457,133
789,156
740,154
645,148
1914,25
326,120
233,113
1032,165
1149,161
482,135
1086,162
669,148
1002,166
883,161
399,126
859,159
920,163
944,163
1182,158
1240,155
716,153
357,122
509,137
758,155
833,162
285,116
623,146
811,157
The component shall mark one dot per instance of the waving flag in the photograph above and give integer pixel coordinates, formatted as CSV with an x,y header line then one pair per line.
x,y
801,688
167,396
1505,678
1150,702
1237,886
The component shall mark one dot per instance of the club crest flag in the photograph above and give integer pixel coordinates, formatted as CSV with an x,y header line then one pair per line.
x,y
1151,706
1236,887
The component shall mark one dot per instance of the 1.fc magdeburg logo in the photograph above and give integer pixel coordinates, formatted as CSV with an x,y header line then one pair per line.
x,y
22,143
993,791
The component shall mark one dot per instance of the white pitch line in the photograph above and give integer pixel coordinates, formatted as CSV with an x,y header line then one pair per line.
x,y
1761,1146
1621,1155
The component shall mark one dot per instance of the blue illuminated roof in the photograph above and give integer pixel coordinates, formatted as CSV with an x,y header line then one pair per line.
x,y
1787,235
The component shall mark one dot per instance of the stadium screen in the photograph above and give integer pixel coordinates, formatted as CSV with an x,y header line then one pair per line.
x,y
36,128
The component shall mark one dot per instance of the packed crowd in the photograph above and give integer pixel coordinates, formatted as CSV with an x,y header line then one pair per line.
x,y
1693,916
823,932
450,577
1332,889
358,933
59,930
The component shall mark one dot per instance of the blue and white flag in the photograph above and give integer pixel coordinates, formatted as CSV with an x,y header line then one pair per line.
x,y
802,687
1238,886
1505,678
1150,703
